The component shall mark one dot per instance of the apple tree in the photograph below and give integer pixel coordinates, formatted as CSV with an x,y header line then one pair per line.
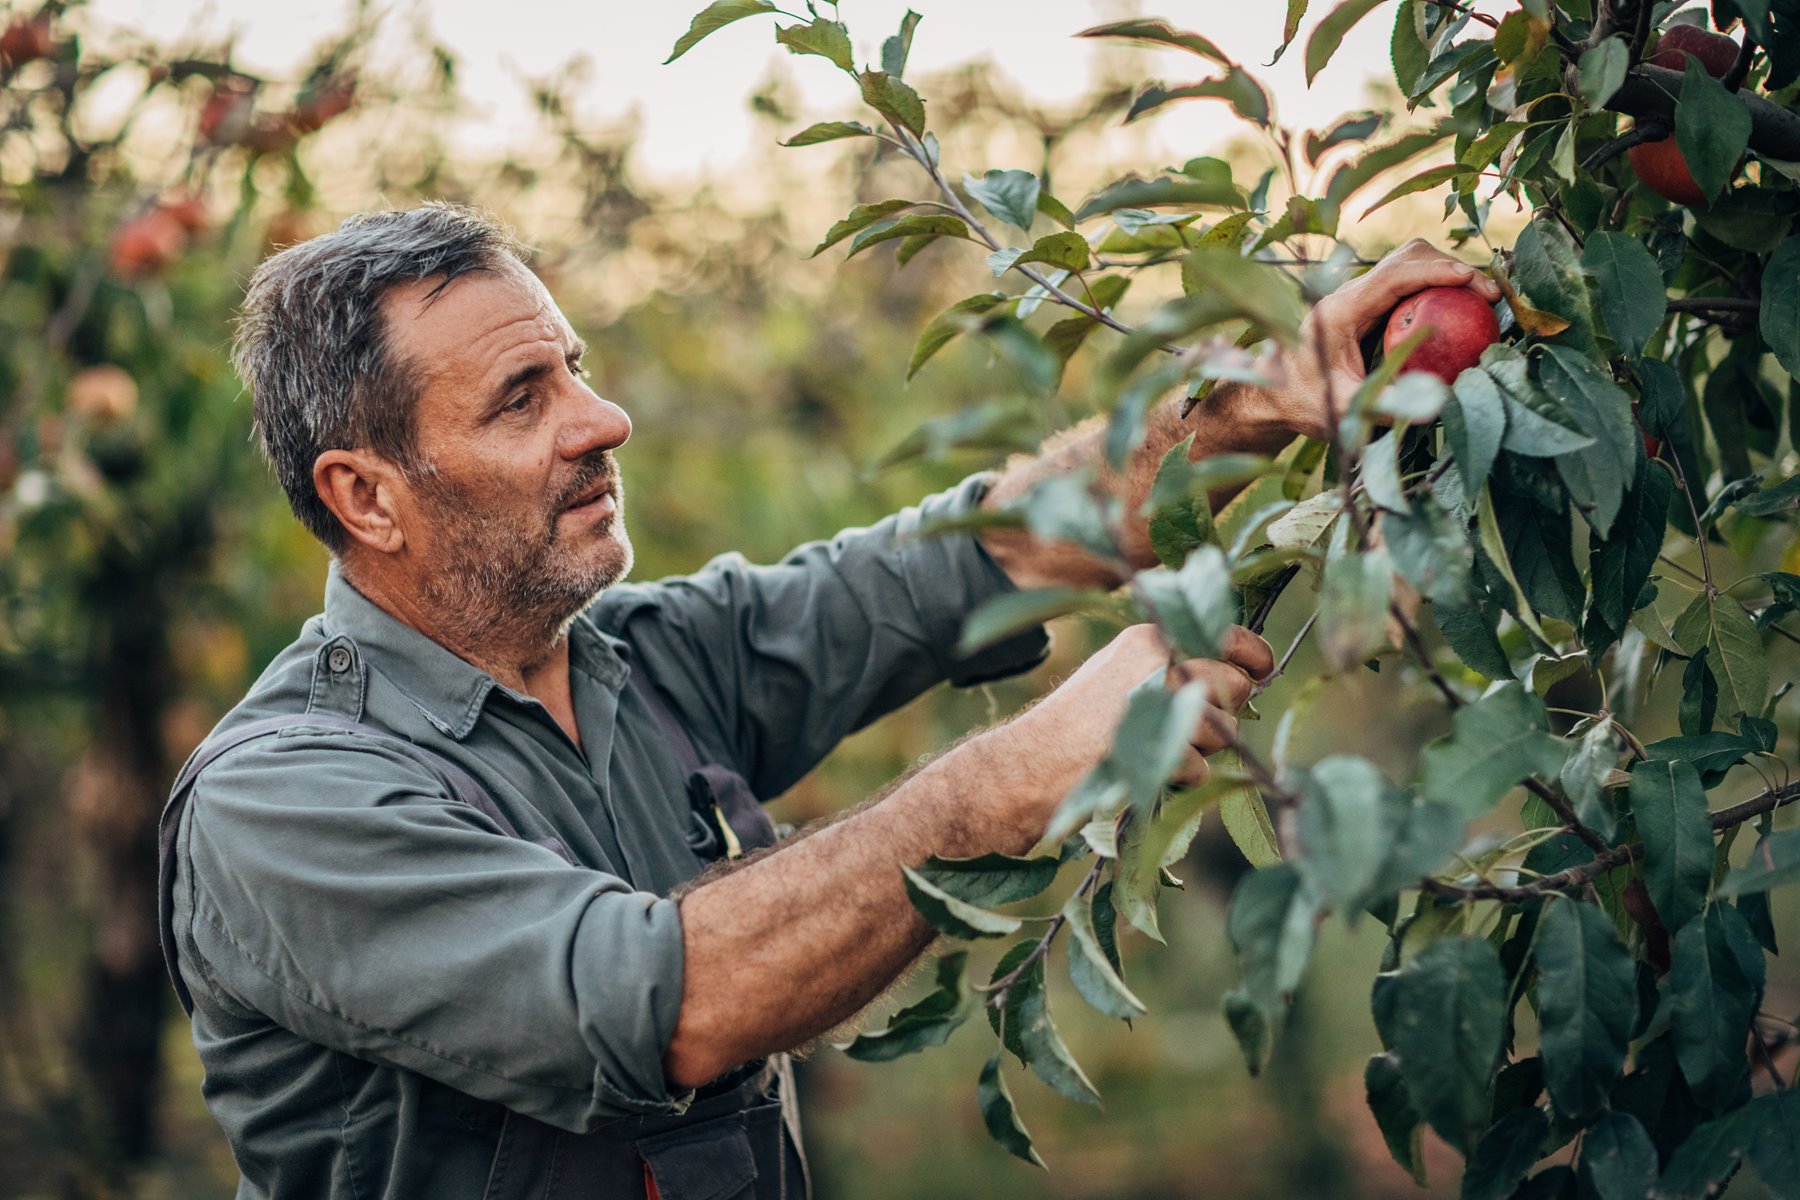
x,y
1578,914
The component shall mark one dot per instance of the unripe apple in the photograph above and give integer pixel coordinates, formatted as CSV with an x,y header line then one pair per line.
x,y
1461,325
1660,164
146,243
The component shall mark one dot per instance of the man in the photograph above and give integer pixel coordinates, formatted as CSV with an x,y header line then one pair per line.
x,y
426,898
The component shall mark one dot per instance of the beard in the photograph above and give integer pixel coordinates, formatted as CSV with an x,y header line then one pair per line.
x,y
500,581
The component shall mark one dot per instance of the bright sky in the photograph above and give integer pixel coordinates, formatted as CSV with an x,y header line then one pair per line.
x,y
692,113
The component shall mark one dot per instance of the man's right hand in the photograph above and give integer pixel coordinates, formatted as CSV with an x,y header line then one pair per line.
x,y
1072,728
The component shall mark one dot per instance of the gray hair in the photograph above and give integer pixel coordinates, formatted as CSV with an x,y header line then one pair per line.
x,y
314,347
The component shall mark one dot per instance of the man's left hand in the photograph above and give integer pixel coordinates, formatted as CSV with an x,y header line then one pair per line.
x,y
1322,373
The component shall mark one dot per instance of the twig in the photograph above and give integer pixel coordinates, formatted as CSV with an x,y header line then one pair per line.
x,y
1276,586
997,990
1466,11
1282,666
1706,574
1768,1057
1701,304
1423,654
1740,66
1648,130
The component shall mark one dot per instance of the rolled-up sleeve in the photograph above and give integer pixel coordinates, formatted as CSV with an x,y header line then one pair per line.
x,y
334,885
776,664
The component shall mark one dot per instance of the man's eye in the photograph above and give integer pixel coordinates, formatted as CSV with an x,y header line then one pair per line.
x,y
519,404
577,370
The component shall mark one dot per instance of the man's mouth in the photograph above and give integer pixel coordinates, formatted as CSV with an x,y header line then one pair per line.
x,y
597,501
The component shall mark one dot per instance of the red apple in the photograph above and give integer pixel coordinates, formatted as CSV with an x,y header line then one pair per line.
x,y
143,245
1460,323
27,39
1660,164
1715,51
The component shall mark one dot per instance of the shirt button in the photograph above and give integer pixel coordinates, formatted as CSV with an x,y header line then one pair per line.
x,y
338,660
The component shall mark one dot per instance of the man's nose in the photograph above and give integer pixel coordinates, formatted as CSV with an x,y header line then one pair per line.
x,y
598,425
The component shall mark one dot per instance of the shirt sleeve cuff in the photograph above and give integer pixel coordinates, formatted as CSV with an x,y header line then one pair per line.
x,y
986,579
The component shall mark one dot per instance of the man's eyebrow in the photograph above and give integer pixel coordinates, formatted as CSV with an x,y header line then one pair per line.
x,y
531,371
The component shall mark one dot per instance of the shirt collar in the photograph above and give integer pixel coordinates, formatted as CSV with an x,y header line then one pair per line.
x,y
447,688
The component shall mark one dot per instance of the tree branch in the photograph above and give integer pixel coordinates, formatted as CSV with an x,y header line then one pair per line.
x,y
1701,304
1740,67
1650,92
1648,130
1615,856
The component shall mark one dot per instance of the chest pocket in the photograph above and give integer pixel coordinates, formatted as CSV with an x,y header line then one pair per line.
x,y
725,820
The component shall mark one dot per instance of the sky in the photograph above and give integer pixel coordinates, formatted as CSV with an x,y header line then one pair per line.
x,y
692,114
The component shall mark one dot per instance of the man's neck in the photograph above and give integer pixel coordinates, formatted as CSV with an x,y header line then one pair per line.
x,y
533,662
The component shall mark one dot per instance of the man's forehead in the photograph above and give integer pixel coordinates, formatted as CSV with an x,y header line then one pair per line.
x,y
480,312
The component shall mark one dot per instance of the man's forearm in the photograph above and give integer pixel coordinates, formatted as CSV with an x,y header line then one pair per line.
x,y
795,943
1235,419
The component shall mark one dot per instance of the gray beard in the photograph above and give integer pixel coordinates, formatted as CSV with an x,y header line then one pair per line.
x,y
507,592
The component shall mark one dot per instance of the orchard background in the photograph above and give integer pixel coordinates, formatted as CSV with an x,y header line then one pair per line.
x,y
148,567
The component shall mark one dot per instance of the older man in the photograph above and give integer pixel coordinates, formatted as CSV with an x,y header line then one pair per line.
x,y
424,885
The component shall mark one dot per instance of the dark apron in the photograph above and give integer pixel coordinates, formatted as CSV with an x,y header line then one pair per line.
x,y
740,1137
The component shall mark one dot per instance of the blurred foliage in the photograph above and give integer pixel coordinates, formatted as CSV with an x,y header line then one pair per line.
x,y
148,568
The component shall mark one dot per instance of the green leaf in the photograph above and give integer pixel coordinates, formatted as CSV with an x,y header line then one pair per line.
x,y
1711,999
906,226
1602,71
1505,1154
990,880
894,99
1447,1027
1409,53
1775,862
1618,1160
1347,180
1271,923
1705,1158
1734,651
1002,616
1353,607
1428,834
999,1115
1779,316
1040,1045
1159,33
1620,564
1628,284
1423,181
991,425
1584,776
1012,196
1597,474
1089,969
1774,1121
1381,473
1493,744
1196,605
1670,807
714,18
1148,747
1246,819
1537,425
1493,544
1587,1005
1329,33
929,1022
1430,551
1296,9
1474,426
1713,754
896,50
958,318
949,915
1352,128
1712,129
1236,87
1349,814
829,131
1066,250
1547,272
1469,628
1399,1122
1539,544
1772,499
825,38
1222,284
1133,192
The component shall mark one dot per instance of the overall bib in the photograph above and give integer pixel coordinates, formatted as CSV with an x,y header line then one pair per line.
x,y
740,1137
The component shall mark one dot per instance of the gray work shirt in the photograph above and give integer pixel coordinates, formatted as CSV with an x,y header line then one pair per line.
x,y
377,973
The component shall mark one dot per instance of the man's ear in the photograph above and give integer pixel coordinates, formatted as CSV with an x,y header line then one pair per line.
x,y
361,489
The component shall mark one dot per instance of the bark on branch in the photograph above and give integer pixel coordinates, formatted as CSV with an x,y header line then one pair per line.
x,y
1651,91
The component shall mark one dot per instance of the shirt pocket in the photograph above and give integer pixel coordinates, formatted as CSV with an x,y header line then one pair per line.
x,y
709,1160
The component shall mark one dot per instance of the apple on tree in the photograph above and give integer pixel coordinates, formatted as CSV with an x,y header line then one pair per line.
x,y
1660,164
1459,325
